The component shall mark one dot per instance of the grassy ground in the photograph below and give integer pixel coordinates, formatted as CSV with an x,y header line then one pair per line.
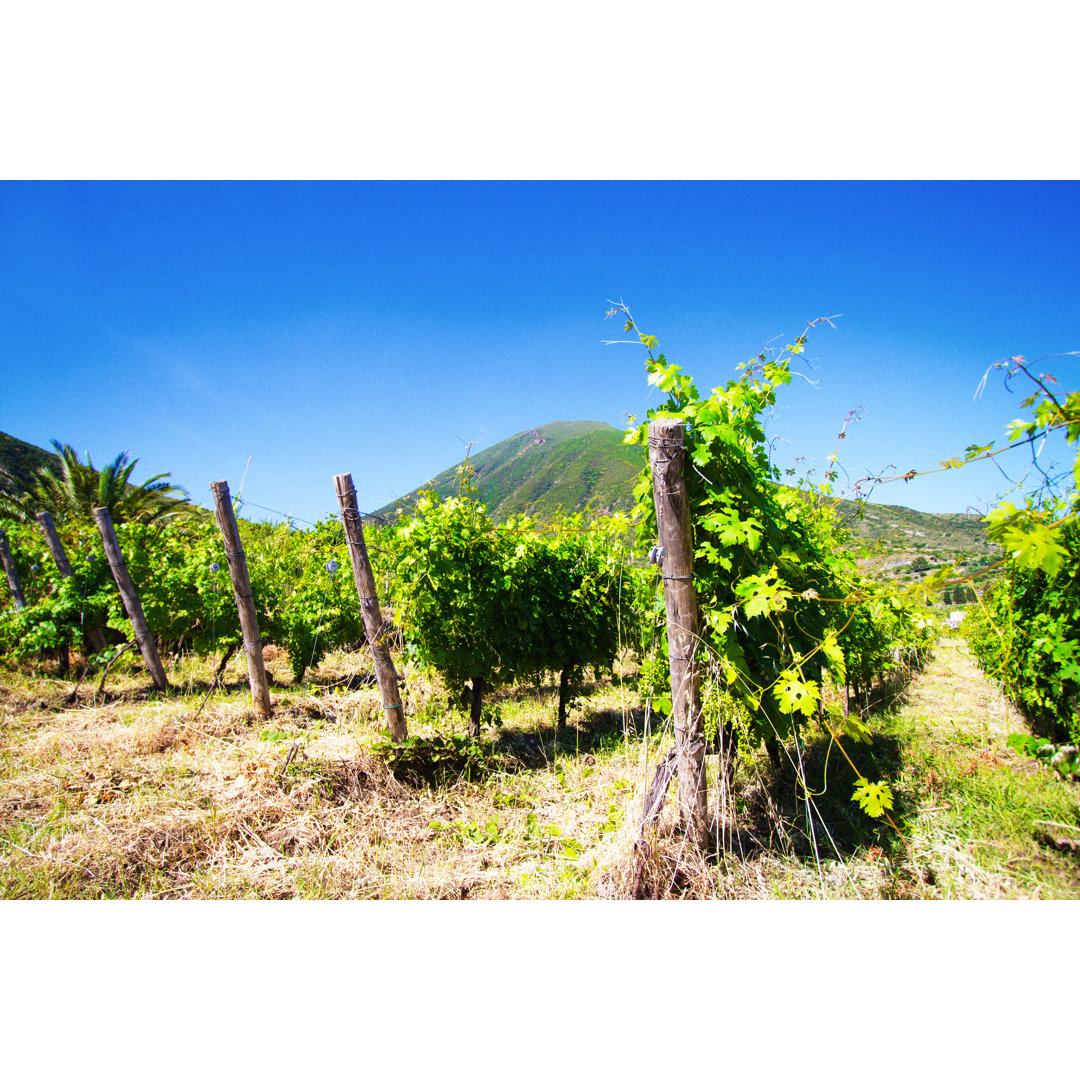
x,y
133,795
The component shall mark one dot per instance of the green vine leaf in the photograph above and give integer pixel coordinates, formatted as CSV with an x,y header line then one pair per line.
x,y
763,593
1035,550
833,653
873,799
730,529
794,695
854,728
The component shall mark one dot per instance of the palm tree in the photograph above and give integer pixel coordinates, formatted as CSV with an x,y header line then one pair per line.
x,y
71,491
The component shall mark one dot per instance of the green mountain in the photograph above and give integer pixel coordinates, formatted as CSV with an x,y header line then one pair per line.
x,y
22,458
900,528
584,465
568,465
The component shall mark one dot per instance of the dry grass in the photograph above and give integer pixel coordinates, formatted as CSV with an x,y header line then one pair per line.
x,y
194,796
134,797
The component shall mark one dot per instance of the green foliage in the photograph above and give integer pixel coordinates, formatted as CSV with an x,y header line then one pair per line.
x,y
960,594
305,595
874,799
72,489
486,835
572,591
448,587
1026,633
188,604
885,633
180,572
1064,759
1028,537
440,759
59,610
480,601
781,602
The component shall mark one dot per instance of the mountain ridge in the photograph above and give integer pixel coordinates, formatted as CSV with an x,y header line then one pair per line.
x,y
21,459
584,466
568,465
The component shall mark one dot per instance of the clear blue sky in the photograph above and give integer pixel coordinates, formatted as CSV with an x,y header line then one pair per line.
x,y
376,327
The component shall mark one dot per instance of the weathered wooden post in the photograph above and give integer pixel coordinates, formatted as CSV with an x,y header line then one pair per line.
x,y
94,635
374,627
245,602
667,440
52,538
12,573
132,604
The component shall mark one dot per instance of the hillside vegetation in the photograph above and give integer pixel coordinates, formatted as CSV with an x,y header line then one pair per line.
x,y
899,543
568,465
21,459
583,466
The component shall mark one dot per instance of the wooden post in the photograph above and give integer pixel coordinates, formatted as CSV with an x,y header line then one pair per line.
x,y
94,635
374,627
12,573
132,604
52,538
676,557
245,602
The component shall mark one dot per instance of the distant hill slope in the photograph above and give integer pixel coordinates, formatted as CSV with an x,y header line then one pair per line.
x,y
898,527
567,465
890,538
584,465
574,465
22,458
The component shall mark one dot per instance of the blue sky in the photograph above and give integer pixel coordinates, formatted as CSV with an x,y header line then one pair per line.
x,y
377,327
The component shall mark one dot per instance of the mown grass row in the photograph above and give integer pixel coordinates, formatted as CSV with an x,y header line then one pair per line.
x,y
137,796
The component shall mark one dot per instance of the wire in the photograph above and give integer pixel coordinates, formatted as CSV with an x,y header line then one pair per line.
x,y
293,517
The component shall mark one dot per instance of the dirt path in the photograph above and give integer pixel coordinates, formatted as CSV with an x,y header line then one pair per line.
x,y
987,822
953,695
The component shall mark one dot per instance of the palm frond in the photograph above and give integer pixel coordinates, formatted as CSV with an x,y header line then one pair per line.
x,y
72,491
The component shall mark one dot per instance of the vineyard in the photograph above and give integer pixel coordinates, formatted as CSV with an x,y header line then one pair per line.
x,y
500,708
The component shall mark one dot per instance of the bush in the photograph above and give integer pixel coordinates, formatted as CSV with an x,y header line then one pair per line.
x,y
484,604
1026,635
